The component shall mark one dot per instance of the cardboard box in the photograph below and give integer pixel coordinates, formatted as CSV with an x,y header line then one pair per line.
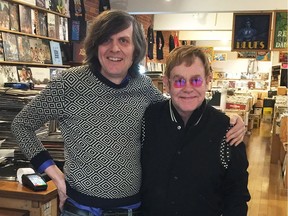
x,y
258,111
267,111
259,103
281,90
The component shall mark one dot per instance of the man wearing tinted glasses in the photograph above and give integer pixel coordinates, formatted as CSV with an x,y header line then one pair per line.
x,y
188,167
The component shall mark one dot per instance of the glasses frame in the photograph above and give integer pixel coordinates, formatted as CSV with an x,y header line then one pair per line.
x,y
183,82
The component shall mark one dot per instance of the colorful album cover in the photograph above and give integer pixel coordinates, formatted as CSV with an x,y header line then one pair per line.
x,y
54,72
51,5
4,15
63,28
8,74
24,49
24,74
35,45
42,23
45,53
56,53
10,47
14,17
41,76
57,25
51,25
75,32
40,3
25,19
78,52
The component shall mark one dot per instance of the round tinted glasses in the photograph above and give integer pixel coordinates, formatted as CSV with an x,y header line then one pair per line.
x,y
181,82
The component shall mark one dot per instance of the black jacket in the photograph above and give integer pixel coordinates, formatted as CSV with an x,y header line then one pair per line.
x,y
150,41
159,45
189,170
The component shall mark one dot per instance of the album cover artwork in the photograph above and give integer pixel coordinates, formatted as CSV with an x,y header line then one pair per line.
x,y
25,19
14,17
8,74
51,5
41,76
4,15
24,74
45,54
63,28
40,3
24,51
75,33
10,47
54,72
34,21
35,45
57,25
56,53
42,23
78,52
51,25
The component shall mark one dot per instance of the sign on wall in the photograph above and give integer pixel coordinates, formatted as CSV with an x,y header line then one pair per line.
x,y
251,31
280,33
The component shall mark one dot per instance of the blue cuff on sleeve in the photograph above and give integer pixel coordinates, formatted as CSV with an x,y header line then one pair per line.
x,y
45,165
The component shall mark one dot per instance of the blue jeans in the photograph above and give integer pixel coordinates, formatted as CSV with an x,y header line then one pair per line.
x,y
67,213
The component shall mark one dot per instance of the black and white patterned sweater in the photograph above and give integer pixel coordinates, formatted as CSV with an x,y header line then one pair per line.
x,y
100,123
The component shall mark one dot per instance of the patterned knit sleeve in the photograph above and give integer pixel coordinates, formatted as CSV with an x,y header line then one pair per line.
x,y
153,92
45,106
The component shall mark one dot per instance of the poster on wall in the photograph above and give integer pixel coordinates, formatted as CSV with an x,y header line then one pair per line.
x,y
220,57
251,31
280,33
283,56
263,56
247,54
209,51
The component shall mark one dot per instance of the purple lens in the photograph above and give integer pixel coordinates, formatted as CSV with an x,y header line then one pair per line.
x,y
196,82
179,83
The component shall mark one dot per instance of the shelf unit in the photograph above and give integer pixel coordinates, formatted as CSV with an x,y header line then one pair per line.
x,y
37,36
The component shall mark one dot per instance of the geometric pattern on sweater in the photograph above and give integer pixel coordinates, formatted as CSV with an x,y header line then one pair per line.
x,y
103,161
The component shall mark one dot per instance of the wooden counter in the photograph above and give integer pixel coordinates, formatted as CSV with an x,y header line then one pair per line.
x,y
15,196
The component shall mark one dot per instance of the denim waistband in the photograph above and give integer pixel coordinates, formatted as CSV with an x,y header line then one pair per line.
x,y
69,207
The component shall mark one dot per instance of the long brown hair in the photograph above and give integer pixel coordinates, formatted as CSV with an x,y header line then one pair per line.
x,y
107,24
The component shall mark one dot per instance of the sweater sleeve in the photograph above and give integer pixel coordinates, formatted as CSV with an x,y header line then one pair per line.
x,y
47,105
151,91
236,194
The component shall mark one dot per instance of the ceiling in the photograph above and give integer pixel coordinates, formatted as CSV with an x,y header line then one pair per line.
x,y
192,6
189,16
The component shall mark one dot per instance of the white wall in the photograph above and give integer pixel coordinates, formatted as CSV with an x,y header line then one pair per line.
x,y
193,21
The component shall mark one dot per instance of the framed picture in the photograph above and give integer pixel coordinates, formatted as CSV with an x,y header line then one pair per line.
x,y
24,74
25,19
251,31
283,56
209,51
280,33
220,56
10,47
263,56
247,54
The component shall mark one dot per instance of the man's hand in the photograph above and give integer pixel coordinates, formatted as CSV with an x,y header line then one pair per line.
x,y
57,176
236,134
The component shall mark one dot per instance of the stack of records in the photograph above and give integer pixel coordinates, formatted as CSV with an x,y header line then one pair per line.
x,y
154,74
